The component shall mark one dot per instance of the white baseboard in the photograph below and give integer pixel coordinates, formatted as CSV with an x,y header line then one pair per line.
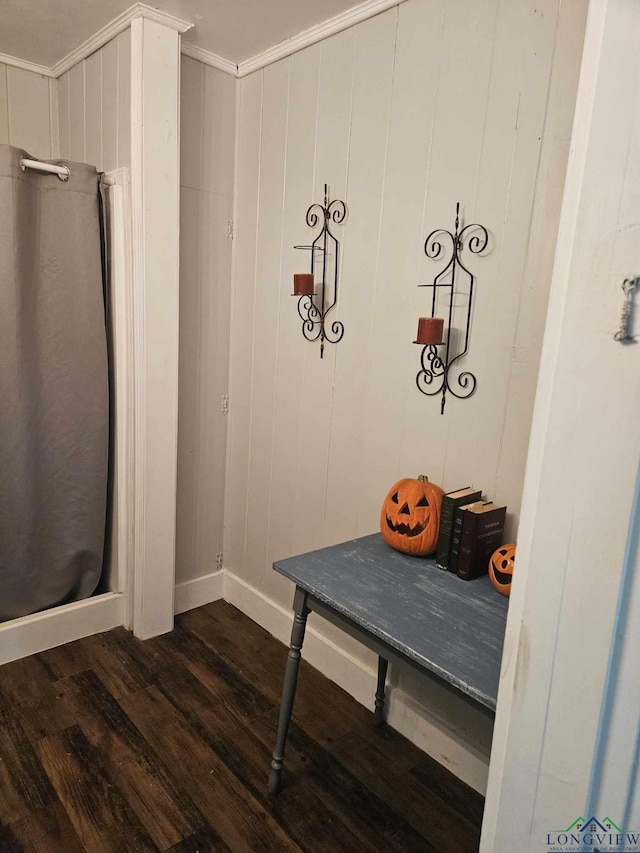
x,y
40,631
451,747
195,593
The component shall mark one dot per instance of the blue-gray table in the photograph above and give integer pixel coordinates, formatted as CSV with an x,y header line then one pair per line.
x,y
403,608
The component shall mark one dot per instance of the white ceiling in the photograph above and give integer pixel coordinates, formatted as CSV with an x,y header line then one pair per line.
x,y
45,31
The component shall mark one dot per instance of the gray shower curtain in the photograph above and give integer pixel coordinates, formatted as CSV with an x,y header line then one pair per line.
x,y
54,397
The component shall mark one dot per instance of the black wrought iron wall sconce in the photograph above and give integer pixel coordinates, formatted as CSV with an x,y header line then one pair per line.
x,y
314,305
438,367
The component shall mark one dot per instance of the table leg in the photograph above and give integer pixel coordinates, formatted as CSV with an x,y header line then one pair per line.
x,y
378,714
289,687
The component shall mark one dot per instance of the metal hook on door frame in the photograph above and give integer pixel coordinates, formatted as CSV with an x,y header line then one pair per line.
x,y
629,285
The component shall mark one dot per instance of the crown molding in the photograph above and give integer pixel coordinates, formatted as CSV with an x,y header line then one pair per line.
x,y
25,65
355,15
114,28
209,58
334,25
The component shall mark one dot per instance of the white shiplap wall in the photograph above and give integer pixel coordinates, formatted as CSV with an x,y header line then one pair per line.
x,y
94,107
94,121
28,111
432,102
207,129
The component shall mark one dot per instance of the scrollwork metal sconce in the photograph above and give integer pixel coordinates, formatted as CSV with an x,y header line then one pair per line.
x,y
313,307
435,376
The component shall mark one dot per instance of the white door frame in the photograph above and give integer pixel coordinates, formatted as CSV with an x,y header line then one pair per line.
x,y
582,462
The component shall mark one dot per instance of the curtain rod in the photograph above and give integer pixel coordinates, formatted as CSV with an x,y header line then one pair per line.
x,y
63,172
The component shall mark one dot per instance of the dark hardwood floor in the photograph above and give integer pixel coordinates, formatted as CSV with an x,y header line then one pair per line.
x,y
112,744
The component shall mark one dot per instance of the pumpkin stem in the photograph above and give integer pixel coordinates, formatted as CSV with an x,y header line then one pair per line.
x,y
422,478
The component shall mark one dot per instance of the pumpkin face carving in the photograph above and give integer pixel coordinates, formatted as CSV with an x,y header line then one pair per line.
x,y
410,516
501,568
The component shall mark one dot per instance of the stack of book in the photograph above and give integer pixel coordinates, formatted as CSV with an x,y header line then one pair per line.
x,y
470,531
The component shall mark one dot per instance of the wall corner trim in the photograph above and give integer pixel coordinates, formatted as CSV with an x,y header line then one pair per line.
x,y
155,99
114,28
209,58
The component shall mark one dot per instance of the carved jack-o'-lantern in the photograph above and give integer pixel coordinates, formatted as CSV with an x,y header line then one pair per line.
x,y
410,516
501,567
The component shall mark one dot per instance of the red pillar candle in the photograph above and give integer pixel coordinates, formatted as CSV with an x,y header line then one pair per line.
x,y
430,330
303,284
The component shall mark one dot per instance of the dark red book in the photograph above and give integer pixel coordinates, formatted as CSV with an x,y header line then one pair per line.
x,y
482,531
456,534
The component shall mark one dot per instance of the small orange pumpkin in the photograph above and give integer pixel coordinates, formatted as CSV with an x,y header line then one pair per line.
x,y
410,516
501,567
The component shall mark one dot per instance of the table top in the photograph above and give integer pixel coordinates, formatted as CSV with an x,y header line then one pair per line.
x,y
448,626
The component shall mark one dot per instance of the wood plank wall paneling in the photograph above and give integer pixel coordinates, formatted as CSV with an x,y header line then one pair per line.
x,y
94,112
538,262
430,103
207,129
25,112
242,351
289,386
4,106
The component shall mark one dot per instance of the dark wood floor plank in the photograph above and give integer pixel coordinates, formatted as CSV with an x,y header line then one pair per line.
x,y
110,743
26,686
299,810
9,842
47,831
433,777
126,664
186,692
98,810
400,752
205,841
220,678
69,659
24,682
336,719
258,657
375,822
262,658
315,826
239,819
24,786
429,813
165,811
254,651
115,656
